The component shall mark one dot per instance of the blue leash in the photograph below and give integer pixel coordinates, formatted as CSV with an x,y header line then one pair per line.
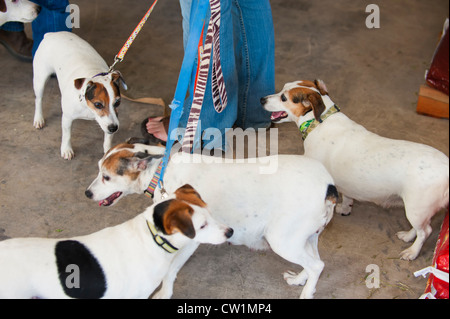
x,y
184,79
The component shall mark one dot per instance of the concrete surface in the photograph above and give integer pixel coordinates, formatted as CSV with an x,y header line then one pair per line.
x,y
372,74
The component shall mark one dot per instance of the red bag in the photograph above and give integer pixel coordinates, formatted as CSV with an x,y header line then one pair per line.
x,y
436,287
437,75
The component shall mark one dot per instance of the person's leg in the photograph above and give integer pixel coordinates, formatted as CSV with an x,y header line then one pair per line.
x,y
255,51
52,18
13,37
185,6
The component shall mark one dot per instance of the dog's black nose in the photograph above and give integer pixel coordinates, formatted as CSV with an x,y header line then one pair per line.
x,y
88,194
38,9
263,100
112,128
229,232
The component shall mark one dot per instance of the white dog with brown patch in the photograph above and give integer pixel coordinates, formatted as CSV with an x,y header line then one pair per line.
x,y
88,90
124,261
18,10
365,166
285,211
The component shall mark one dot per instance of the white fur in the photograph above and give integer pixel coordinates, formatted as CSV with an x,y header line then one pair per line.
x,y
368,167
285,211
132,262
71,58
19,10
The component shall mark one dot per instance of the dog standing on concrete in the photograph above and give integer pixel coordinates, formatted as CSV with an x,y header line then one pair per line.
x,y
88,90
18,10
125,261
365,166
285,211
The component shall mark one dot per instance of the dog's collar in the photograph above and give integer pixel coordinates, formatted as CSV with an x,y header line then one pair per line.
x,y
101,74
161,241
308,126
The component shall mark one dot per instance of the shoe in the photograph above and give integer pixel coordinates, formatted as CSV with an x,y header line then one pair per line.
x,y
17,44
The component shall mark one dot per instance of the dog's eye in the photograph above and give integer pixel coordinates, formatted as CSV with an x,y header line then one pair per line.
x,y
98,105
117,103
106,178
204,225
283,98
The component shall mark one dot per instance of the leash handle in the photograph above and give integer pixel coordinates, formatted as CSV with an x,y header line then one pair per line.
x,y
120,56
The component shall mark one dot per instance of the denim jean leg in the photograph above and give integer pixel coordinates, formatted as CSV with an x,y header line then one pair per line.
x,y
256,51
52,18
13,26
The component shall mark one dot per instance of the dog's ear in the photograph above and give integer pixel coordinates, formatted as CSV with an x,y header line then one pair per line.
x,y
178,218
320,85
2,6
314,100
188,194
78,82
140,161
118,80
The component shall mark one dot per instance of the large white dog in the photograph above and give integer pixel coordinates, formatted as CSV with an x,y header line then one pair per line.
x,y
285,211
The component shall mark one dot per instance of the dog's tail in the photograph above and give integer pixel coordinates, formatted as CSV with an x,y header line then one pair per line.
x,y
331,200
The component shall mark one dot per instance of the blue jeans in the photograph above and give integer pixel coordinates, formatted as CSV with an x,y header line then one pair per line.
x,y
52,18
248,62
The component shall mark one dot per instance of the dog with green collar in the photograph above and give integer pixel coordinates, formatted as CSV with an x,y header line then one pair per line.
x,y
364,165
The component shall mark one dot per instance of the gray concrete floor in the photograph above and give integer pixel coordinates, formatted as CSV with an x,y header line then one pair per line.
x,y
373,75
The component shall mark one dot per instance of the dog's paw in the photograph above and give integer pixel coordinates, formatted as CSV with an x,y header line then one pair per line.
x,y
406,236
294,279
67,154
409,254
343,210
39,123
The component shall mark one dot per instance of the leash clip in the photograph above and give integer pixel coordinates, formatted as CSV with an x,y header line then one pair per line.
x,y
164,194
116,60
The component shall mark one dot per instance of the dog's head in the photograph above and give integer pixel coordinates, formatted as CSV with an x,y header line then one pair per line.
x,y
18,10
295,100
102,96
121,170
187,214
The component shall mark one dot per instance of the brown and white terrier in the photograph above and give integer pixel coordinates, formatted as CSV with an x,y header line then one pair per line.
x,y
88,90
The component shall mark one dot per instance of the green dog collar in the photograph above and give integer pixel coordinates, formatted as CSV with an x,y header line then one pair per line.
x,y
308,126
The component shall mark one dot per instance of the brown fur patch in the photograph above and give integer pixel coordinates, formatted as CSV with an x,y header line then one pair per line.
x,y
118,163
2,6
98,94
296,96
301,100
188,194
79,83
178,217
